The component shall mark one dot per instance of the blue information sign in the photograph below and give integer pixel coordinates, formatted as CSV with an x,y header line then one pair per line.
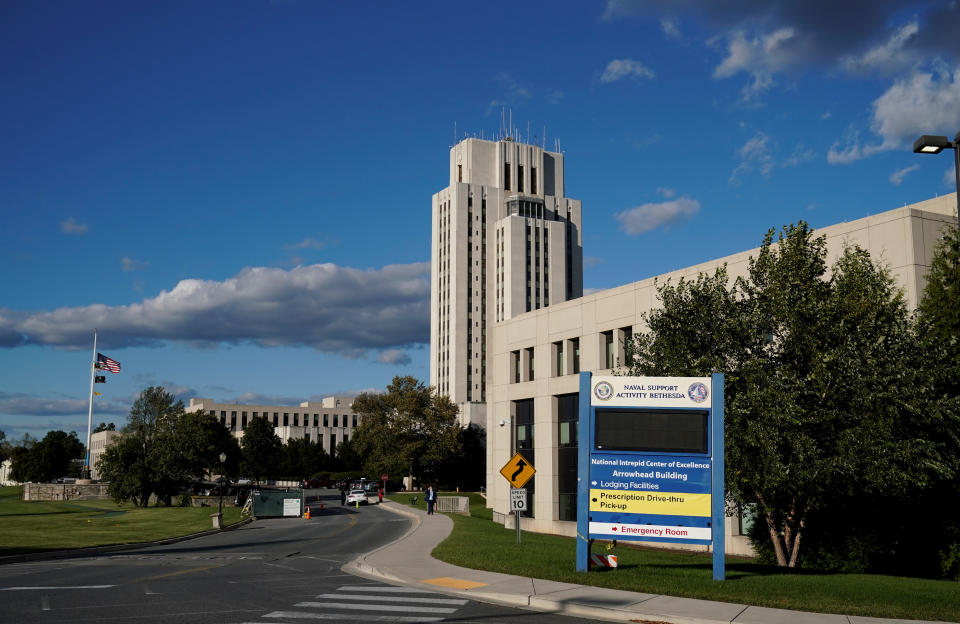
x,y
651,462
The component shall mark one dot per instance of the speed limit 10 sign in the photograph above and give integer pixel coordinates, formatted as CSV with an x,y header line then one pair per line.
x,y
518,499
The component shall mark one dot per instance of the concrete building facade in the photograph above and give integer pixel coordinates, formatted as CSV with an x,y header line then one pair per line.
x,y
507,342
327,422
505,241
99,442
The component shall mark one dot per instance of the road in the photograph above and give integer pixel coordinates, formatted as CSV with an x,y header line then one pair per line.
x,y
269,571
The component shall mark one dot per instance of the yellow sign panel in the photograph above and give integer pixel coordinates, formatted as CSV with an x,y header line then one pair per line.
x,y
518,470
657,503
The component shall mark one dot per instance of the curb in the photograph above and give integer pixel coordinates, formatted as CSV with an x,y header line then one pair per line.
x,y
100,550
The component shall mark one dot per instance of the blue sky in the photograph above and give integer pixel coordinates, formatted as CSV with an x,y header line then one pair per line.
x,y
237,194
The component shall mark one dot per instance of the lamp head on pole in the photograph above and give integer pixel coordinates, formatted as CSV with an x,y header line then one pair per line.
x,y
223,457
931,144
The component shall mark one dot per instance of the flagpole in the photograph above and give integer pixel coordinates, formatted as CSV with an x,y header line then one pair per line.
x,y
93,371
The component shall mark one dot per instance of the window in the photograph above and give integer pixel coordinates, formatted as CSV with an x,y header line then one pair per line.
x,y
606,343
533,180
335,417
459,173
243,420
568,421
354,420
276,419
515,366
575,348
520,178
506,176
530,368
559,370
286,419
522,415
326,420
296,420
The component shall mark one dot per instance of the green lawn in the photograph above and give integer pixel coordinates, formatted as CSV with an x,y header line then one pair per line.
x,y
690,574
42,526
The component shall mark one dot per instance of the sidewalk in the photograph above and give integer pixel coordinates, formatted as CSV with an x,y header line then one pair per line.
x,y
408,562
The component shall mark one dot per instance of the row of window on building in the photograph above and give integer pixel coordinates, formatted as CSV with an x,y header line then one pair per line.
x,y
565,355
232,422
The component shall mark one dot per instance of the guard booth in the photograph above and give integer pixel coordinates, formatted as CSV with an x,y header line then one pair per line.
x,y
650,462
277,503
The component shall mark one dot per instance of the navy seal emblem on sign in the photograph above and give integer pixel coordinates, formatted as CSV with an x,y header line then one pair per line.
x,y
697,392
603,391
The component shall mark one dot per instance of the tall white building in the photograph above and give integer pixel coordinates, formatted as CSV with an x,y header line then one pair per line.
x,y
506,240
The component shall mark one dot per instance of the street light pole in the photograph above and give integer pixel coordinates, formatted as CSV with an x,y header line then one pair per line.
x,y
934,144
223,458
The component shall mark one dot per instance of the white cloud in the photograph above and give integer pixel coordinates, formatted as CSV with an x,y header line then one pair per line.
x,y
394,356
670,28
71,226
922,103
668,193
800,155
591,261
619,69
897,176
887,56
646,217
19,404
129,264
330,308
755,155
759,57
950,178
309,243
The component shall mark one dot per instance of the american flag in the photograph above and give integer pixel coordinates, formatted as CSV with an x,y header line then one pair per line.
x,y
108,364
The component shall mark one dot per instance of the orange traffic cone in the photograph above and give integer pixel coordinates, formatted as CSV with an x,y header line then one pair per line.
x,y
307,514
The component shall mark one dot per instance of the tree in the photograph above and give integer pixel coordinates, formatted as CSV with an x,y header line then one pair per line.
x,y
347,458
197,441
104,427
302,458
48,459
4,447
408,429
147,459
261,449
818,382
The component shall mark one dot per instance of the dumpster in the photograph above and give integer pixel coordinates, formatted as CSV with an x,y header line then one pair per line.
x,y
277,503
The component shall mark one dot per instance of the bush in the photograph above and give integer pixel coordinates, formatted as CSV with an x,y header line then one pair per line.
x,y
185,500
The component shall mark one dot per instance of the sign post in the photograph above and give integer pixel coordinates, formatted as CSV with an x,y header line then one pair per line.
x,y
651,462
518,471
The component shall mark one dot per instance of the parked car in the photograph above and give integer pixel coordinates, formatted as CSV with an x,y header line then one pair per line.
x,y
372,488
357,496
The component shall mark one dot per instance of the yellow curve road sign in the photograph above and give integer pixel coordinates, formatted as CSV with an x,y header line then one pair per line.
x,y
518,470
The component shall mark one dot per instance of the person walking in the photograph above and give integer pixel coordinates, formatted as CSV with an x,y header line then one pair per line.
x,y
343,495
431,498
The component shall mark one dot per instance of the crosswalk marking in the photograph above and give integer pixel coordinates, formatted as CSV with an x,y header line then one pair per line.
x,y
448,601
373,603
300,615
385,590
373,607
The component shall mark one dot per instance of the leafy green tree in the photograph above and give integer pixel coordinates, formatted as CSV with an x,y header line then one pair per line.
x,y
408,429
48,459
347,458
197,441
4,447
818,379
124,465
302,458
261,449
149,460
466,470
104,427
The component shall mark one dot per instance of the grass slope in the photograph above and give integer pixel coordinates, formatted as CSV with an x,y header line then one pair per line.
x,y
689,575
46,526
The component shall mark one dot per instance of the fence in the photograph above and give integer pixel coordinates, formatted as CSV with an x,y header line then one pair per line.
x,y
454,504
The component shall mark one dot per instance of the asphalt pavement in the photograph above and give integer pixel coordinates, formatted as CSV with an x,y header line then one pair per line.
x,y
407,561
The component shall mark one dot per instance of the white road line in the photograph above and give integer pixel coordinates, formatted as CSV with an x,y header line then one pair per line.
x,y
56,587
300,615
358,607
449,601
375,588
